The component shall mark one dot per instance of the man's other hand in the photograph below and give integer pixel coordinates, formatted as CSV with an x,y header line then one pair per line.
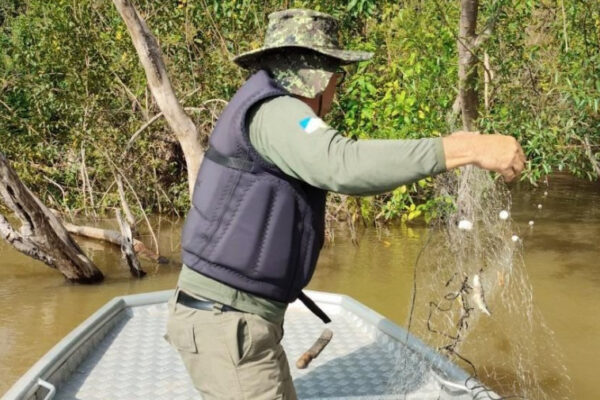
x,y
499,153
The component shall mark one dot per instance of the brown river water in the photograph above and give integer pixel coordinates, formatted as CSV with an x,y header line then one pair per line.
x,y
562,256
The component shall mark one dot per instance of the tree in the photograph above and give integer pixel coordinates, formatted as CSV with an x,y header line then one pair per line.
x,y
162,90
41,234
469,44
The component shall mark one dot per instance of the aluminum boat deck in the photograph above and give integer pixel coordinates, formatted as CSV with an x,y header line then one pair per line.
x,y
119,353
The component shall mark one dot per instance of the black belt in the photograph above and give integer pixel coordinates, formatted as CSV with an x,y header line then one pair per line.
x,y
189,301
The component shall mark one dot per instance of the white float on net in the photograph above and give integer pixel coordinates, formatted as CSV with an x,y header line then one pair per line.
x,y
465,225
503,215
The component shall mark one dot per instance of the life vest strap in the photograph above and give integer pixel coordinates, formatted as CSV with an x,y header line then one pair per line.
x,y
312,306
230,162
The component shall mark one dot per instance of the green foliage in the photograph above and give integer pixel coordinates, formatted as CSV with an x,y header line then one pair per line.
x,y
361,7
544,95
70,79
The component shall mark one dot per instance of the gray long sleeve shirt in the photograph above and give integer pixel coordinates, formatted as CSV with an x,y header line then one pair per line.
x,y
286,132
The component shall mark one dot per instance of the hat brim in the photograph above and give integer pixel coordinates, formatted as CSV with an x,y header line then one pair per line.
x,y
252,58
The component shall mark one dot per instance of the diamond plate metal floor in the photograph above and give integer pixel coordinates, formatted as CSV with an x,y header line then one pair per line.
x,y
133,362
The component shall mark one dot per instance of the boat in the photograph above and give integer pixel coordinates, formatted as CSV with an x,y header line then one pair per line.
x,y
119,353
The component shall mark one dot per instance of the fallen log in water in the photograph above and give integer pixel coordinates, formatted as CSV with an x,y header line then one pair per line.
x,y
114,237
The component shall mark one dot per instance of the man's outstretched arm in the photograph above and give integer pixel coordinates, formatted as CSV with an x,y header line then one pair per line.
x,y
287,132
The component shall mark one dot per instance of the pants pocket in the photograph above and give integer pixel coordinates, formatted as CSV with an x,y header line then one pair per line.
x,y
181,335
244,341
264,373
238,338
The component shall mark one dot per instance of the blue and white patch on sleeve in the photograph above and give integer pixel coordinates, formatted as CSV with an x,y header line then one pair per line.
x,y
312,124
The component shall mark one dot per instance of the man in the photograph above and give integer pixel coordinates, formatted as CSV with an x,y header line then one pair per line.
x,y
252,237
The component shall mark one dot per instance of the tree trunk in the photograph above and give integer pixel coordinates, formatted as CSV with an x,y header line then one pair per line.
x,y
469,44
467,63
160,85
127,247
126,209
41,235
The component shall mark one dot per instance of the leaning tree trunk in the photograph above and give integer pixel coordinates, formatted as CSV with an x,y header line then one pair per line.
x,y
160,85
41,235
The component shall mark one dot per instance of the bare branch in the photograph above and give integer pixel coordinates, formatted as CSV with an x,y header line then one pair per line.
x,y
86,182
62,190
127,247
564,18
106,192
139,131
114,166
132,97
487,78
160,114
150,56
588,151
456,37
128,214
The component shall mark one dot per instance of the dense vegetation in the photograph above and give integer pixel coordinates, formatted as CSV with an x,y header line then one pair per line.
x,y
71,87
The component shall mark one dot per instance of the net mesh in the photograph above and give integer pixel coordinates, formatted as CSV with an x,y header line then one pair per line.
x,y
473,301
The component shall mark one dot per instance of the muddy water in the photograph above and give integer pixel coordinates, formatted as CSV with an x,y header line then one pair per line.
x,y
562,254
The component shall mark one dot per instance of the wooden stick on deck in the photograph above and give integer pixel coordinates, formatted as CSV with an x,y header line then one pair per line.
x,y
315,349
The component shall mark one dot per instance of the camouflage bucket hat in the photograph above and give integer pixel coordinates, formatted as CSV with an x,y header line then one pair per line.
x,y
302,73
302,51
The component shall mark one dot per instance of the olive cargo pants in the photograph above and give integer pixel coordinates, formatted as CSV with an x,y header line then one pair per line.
x,y
230,355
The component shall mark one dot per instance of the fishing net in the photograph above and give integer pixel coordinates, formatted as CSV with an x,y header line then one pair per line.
x,y
473,301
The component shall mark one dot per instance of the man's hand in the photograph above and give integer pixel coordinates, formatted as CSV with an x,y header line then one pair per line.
x,y
499,153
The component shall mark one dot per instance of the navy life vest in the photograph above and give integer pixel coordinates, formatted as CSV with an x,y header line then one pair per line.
x,y
251,226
